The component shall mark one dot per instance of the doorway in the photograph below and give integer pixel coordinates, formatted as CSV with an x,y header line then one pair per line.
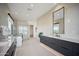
x,y
31,31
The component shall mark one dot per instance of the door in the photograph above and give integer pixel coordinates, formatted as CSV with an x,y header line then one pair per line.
x,y
31,31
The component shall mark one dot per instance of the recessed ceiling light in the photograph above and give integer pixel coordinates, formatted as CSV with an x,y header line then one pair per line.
x,y
32,5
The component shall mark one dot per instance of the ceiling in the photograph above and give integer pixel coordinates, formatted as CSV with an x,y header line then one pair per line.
x,y
29,11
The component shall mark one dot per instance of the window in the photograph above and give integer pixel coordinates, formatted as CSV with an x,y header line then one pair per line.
x,y
22,29
10,23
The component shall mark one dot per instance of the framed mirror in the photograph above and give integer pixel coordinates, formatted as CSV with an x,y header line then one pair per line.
x,y
58,21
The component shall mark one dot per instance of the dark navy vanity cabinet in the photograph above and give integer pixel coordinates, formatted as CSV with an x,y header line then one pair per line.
x,y
64,47
11,51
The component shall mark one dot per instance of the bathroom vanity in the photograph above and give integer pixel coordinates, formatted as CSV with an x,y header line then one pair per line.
x,y
67,48
11,50
7,47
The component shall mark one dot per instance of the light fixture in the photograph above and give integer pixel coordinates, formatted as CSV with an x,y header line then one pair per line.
x,y
31,5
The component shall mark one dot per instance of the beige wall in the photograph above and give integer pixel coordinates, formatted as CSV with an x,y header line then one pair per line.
x,y
45,25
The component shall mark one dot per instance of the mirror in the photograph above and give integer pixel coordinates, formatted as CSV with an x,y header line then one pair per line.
x,y
58,21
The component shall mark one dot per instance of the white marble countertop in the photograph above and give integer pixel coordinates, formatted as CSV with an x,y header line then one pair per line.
x,y
5,45
76,40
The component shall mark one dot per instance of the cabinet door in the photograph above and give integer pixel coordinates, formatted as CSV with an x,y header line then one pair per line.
x,y
11,50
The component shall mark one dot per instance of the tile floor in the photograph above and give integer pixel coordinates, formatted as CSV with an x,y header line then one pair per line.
x,y
33,47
